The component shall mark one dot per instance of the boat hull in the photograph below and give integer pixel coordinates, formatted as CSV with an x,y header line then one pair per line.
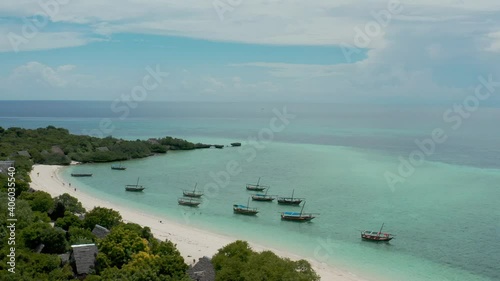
x,y
192,195
118,168
256,188
376,238
289,202
188,203
264,199
245,212
297,218
81,175
134,189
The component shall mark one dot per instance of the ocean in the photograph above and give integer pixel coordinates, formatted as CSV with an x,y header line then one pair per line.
x,y
430,175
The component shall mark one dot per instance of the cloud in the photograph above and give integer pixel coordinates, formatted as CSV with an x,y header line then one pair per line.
x,y
493,42
12,41
430,49
42,74
292,22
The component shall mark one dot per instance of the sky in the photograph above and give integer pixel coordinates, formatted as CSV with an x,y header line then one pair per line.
x,y
375,51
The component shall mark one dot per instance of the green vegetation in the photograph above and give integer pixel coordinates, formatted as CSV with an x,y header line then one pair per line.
x,y
57,146
237,261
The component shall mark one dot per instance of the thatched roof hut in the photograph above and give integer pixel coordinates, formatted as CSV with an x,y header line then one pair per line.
x,y
100,231
83,257
203,270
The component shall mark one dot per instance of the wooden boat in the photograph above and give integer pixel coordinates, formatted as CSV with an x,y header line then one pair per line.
x,y
118,167
193,194
290,200
80,175
375,236
236,144
245,210
298,217
256,187
191,202
220,146
134,187
263,197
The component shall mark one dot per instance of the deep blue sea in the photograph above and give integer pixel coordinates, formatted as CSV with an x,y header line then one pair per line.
x,y
431,175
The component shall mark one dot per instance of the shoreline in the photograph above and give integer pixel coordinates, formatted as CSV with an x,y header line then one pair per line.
x,y
193,243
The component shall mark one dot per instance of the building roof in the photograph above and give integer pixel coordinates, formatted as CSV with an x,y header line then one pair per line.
x,y
103,149
100,231
203,270
64,258
4,166
84,257
24,153
57,150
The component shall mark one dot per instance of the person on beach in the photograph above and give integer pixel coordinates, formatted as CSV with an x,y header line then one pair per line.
x,y
38,174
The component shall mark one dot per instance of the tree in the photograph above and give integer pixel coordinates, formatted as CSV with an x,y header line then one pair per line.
x,y
170,262
237,261
42,233
34,266
117,248
103,216
55,241
143,232
77,235
39,200
32,235
66,202
67,221
231,260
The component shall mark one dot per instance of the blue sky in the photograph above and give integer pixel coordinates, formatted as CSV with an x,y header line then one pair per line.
x,y
265,50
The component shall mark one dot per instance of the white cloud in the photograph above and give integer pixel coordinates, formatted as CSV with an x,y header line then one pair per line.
x,y
13,40
409,56
493,42
42,74
322,22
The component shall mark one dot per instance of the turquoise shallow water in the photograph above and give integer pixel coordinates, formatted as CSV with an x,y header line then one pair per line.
x,y
440,221
446,215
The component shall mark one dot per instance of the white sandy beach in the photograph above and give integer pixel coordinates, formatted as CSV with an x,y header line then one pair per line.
x,y
192,243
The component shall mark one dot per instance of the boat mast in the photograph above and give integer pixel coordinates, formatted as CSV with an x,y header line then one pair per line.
x,y
137,184
195,187
380,231
267,189
303,205
258,182
248,203
292,193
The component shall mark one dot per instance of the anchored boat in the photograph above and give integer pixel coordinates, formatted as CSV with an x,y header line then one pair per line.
x,y
118,167
193,193
80,175
245,210
290,200
298,217
376,236
263,197
191,202
134,187
256,187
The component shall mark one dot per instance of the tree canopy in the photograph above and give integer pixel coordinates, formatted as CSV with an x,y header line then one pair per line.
x,y
102,216
53,146
237,261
